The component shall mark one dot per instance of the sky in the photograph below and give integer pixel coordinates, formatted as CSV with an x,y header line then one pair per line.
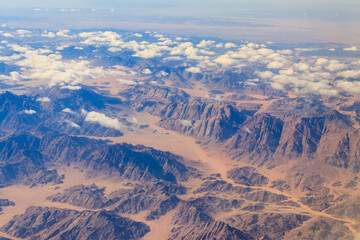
x,y
281,20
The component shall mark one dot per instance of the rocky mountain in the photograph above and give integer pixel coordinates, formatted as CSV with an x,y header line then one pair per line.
x,y
279,175
60,112
54,223
216,121
24,156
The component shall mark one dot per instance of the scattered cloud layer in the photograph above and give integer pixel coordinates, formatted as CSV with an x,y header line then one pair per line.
x,y
280,68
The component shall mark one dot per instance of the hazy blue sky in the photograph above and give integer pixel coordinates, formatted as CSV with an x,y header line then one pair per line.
x,y
302,20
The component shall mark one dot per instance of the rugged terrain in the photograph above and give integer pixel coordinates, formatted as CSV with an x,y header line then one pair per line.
x,y
174,153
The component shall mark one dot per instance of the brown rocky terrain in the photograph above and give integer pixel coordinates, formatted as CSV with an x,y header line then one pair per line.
x,y
241,167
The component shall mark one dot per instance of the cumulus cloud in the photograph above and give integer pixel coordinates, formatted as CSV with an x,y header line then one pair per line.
x,y
71,87
275,65
349,74
301,66
162,74
255,58
225,60
353,49
72,124
335,66
134,120
68,110
126,81
265,51
9,35
265,75
63,33
287,72
30,112
38,64
302,85
230,45
193,70
286,52
321,61
147,53
146,71
23,33
103,120
205,44
138,35
13,76
351,87
43,99
185,123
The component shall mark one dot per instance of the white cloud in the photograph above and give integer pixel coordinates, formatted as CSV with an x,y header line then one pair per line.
x,y
138,35
353,49
43,99
147,53
126,81
63,33
301,66
303,85
275,65
72,124
230,45
205,44
103,120
68,110
335,66
265,51
352,87
321,61
349,74
265,75
13,76
287,72
71,87
225,60
158,35
36,65
185,123
162,74
255,58
146,71
133,120
8,35
29,111
286,52
193,70
23,33
202,51
248,130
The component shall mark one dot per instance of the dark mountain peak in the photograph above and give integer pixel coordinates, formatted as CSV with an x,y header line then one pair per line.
x,y
147,92
340,120
85,97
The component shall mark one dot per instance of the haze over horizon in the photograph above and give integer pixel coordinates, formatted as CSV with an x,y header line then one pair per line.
x,y
282,21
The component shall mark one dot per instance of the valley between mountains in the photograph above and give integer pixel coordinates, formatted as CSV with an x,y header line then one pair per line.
x,y
161,162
